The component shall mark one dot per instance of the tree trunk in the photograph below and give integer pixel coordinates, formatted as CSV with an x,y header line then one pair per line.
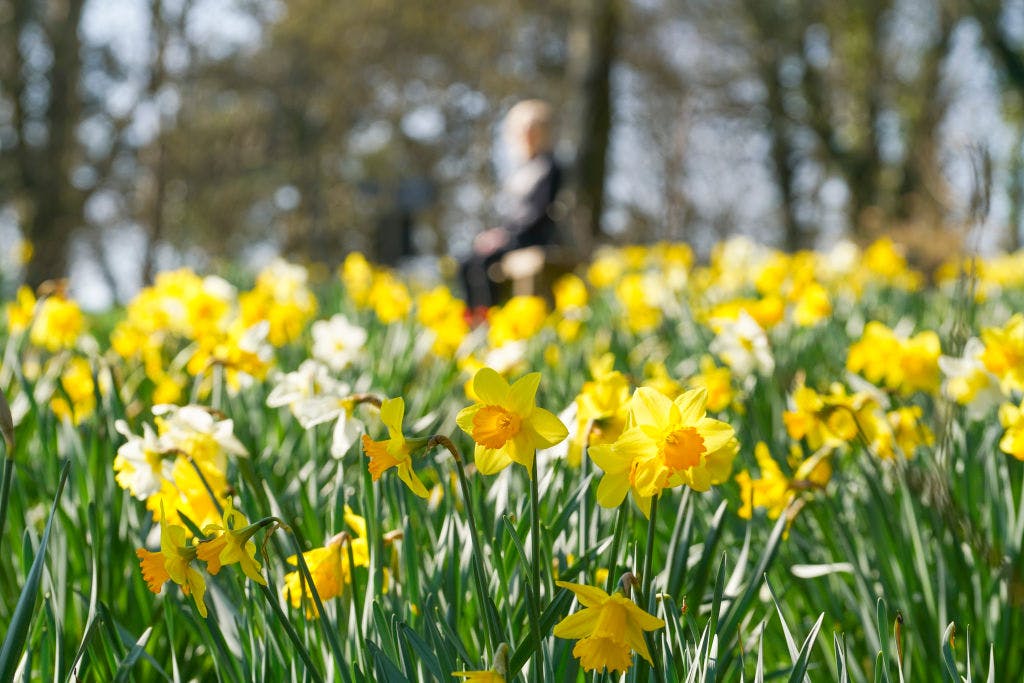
x,y
601,21
55,205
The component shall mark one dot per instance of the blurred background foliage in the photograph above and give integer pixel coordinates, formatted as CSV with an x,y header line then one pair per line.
x,y
141,134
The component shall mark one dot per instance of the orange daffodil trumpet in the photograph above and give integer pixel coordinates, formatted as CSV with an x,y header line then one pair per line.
x,y
396,450
230,543
666,444
505,423
608,629
173,563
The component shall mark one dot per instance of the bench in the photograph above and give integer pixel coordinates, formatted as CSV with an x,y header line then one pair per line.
x,y
532,270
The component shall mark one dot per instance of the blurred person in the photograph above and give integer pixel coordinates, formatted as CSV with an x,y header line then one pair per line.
x,y
530,189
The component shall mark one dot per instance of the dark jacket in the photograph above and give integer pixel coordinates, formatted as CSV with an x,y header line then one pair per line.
x,y
531,191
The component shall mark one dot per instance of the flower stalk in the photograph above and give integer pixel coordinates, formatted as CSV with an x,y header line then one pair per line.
x,y
493,631
535,578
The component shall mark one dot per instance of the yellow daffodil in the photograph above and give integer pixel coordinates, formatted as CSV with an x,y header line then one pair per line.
x,y
774,490
173,563
716,381
667,444
58,324
21,310
77,382
329,566
519,319
1011,417
231,544
479,676
444,316
506,424
901,364
901,432
601,408
570,294
608,629
282,299
389,298
1004,353
357,275
831,419
395,450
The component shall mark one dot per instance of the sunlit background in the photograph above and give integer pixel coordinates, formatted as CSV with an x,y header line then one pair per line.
x,y
141,135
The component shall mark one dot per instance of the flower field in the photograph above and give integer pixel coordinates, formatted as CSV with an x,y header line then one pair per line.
x,y
804,467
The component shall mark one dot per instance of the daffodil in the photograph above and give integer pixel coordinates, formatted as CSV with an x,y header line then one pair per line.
x,y
77,383
1004,352
831,419
902,431
487,676
601,405
608,629
743,345
143,462
666,444
328,566
518,320
21,311
899,362
1011,417
774,490
174,563
315,397
230,544
337,342
969,382
394,451
58,324
505,423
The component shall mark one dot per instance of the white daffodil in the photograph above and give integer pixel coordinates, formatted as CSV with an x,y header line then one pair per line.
x,y
743,346
337,342
141,464
314,397
195,431
969,383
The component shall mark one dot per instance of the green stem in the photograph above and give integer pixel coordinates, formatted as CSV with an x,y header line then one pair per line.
x,y
646,594
538,666
5,493
493,631
293,636
622,514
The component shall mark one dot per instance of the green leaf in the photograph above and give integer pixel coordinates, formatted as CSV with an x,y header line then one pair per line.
x,y
21,620
423,651
800,665
387,670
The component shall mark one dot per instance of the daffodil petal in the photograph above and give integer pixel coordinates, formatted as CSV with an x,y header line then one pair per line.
x,y
490,387
465,417
392,411
715,434
548,428
691,405
522,394
589,596
612,489
406,474
578,625
650,408
608,459
490,460
634,444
